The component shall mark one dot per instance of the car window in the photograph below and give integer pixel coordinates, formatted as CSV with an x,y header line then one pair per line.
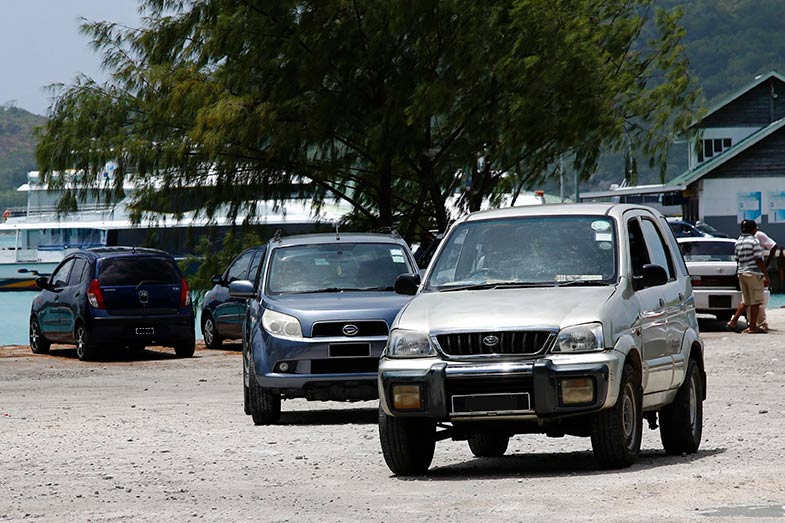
x,y
60,276
639,255
658,251
238,270
77,271
697,251
132,271
336,267
545,250
253,272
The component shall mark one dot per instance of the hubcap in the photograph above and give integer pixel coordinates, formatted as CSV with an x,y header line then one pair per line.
x,y
80,341
629,416
208,331
693,405
34,335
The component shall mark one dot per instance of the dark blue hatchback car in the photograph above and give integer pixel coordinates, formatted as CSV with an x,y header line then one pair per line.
x,y
318,317
124,296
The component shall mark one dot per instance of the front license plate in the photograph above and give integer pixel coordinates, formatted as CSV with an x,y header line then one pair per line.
x,y
496,404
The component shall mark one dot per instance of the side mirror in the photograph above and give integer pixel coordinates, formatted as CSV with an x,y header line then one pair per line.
x,y
42,282
407,284
217,279
653,276
242,289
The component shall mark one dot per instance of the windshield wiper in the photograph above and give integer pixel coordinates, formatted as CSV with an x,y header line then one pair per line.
x,y
495,285
588,283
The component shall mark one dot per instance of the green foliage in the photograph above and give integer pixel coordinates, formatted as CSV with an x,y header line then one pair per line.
x,y
16,153
386,105
213,253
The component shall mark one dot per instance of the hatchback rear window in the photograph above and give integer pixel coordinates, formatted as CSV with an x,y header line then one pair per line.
x,y
133,271
708,251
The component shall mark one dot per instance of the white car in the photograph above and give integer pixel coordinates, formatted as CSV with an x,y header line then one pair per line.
x,y
712,266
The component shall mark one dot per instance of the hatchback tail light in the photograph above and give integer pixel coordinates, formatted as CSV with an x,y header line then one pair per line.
x,y
185,296
95,296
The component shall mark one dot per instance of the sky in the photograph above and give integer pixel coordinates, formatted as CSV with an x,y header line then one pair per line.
x,y
40,44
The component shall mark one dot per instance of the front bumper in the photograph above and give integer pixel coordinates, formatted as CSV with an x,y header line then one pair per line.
x,y
440,381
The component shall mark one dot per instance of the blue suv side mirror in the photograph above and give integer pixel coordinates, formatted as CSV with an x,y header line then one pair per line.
x,y
242,289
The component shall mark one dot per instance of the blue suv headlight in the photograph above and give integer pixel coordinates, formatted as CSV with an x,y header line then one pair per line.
x,y
282,325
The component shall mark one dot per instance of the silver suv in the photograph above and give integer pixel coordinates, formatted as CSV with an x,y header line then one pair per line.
x,y
562,319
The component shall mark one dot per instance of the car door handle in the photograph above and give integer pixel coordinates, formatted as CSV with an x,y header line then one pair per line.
x,y
662,302
653,315
681,297
76,295
57,298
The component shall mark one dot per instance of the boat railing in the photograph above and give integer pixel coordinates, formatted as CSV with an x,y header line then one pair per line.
x,y
34,210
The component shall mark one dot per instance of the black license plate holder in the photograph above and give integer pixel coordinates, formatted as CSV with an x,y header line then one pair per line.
x,y
491,404
720,302
349,350
144,331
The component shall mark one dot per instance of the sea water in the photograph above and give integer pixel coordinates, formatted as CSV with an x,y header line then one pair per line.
x,y
15,313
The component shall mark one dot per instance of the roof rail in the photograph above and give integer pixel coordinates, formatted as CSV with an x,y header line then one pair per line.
x,y
388,230
277,235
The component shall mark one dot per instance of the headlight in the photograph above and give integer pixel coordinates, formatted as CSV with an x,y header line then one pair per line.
x,y
580,338
283,325
409,344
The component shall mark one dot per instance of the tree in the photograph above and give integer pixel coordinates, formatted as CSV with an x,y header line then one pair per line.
x,y
387,105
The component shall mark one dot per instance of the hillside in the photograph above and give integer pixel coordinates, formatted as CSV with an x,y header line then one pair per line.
x,y
16,152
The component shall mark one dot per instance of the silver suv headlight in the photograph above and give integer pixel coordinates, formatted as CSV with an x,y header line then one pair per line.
x,y
580,338
409,344
282,325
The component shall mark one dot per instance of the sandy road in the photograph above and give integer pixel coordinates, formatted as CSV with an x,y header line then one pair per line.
x,y
162,439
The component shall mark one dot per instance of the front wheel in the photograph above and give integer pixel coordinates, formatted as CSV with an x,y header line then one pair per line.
x,y
211,338
616,432
265,406
488,445
407,443
681,422
38,344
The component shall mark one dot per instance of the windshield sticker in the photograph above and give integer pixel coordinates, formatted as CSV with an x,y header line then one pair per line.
x,y
601,226
603,236
321,261
396,252
398,259
579,277
605,246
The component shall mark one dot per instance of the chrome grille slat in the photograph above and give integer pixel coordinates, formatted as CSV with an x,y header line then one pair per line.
x,y
510,343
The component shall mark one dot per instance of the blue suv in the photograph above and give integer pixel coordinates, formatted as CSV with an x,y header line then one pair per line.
x,y
317,321
114,295
222,314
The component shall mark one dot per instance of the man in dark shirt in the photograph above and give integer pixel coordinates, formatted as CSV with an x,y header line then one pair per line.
x,y
753,276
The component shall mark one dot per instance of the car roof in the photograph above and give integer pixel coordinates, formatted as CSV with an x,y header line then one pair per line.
x,y
123,251
704,239
560,209
331,237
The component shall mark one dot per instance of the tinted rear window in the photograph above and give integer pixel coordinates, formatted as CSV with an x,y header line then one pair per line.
x,y
708,251
133,271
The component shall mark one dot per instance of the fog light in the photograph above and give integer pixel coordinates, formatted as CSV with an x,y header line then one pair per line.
x,y
406,397
285,366
577,391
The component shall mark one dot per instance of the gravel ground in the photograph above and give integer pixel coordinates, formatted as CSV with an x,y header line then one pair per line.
x,y
158,438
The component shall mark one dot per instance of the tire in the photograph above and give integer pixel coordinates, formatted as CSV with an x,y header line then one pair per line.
x,y
185,350
38,343
488,445
211,338
681,422
265,406
407,443
246,391
85,349
616,432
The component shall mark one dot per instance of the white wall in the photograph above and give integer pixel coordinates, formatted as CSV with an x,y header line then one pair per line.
x,y
736,134
719,197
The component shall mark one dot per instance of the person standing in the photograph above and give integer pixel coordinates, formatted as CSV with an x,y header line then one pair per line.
x,y
767,244
753,276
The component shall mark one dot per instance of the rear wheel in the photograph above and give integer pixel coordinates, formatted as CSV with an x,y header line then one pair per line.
x,y
85,349
211,338
407,443
681,422
185,350
616,432
246,391
265,406
488,445
38,343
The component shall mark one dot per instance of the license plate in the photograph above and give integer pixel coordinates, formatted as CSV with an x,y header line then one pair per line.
x,y
494,404
720,302
145,331
349,350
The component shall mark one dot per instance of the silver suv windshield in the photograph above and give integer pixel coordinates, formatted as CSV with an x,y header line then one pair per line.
x,y
527,251
336,267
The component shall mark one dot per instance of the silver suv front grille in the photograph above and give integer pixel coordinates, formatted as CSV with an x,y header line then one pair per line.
x,y
519,343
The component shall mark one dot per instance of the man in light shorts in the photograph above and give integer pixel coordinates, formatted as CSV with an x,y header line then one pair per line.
x,y
753,276
768,245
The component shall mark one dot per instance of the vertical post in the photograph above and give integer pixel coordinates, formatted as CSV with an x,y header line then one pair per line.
x,y
577,188
561,177
16,247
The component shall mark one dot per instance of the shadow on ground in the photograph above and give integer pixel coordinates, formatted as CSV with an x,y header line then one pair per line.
x,y
347,416
550,465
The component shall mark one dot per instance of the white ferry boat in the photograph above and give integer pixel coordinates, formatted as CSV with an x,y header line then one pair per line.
x,y
34,239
